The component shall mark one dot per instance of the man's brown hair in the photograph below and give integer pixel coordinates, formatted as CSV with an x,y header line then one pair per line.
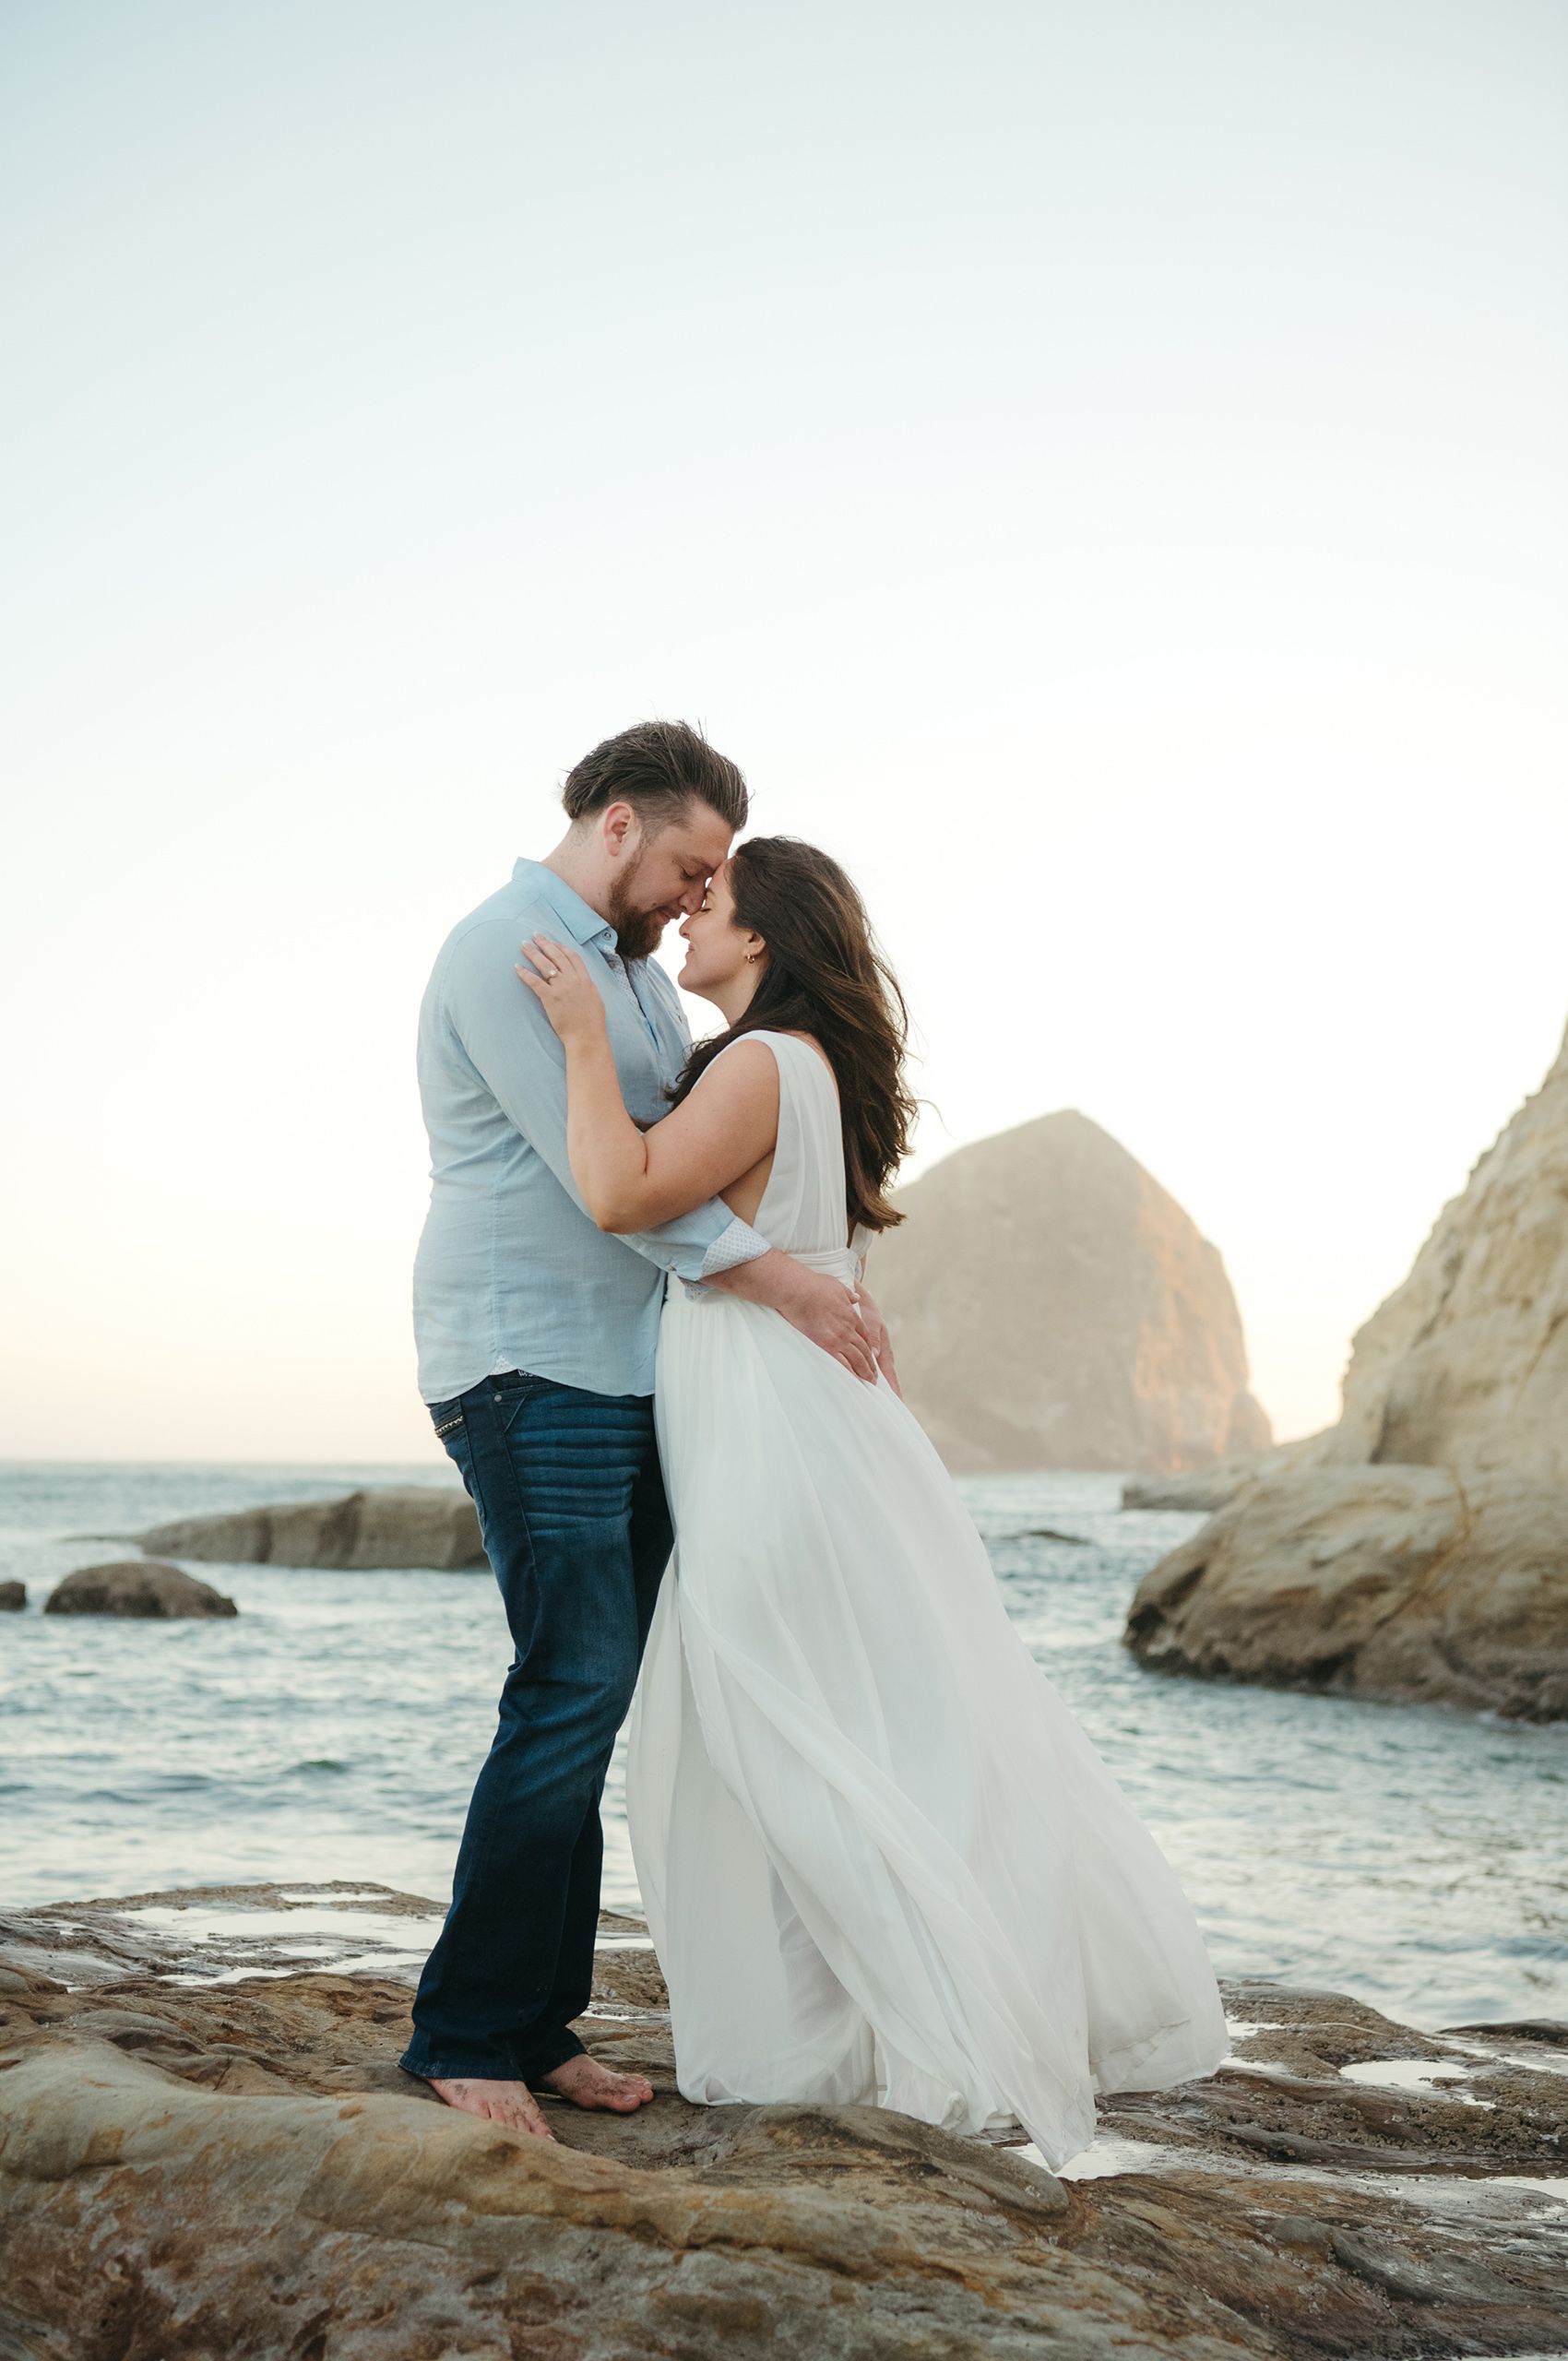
x,y
657,767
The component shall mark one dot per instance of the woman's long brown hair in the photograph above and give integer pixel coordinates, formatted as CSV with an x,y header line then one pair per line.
x,y
824,975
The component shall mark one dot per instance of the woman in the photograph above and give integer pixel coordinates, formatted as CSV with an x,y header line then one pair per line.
x,y
881,1862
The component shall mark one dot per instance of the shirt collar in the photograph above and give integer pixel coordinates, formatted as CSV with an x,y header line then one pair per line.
x,y
581,921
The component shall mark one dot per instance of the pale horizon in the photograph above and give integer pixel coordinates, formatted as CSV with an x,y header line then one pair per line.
x,y
1100,474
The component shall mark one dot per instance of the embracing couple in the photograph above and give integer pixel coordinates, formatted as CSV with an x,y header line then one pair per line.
x,y
881,1862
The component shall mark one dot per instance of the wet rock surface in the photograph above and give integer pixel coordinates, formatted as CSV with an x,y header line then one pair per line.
x,y
207,2148
390,1526
137,1586
13,1598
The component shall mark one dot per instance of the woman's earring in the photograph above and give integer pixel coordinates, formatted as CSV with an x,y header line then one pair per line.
x,y
752,955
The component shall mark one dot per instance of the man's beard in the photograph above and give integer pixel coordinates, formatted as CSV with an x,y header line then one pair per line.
x,y
638,932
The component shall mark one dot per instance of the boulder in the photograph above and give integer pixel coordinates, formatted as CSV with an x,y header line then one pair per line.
x,y
13,1597
1403,1582
196,2165
139,1586
1053,1306
391,1527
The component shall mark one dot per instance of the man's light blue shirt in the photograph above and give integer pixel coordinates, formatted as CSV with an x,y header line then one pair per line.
x,y
512,1272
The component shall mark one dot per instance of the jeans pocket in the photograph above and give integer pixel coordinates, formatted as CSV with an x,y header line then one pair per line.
x,y
447,1418
511,1391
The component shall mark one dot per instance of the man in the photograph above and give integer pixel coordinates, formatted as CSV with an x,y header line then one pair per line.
x,y
537,1335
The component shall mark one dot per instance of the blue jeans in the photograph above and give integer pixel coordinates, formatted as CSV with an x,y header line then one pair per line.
x,y
576,1525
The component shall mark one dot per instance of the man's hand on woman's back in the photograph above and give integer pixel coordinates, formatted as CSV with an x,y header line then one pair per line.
x,y
821,1307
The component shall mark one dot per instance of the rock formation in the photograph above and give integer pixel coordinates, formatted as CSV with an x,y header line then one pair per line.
x,y
1419,1548
13,1598
139,1586
411,1525
191,2168
1052,1306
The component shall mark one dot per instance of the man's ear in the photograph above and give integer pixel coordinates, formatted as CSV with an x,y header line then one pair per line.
x,y
619,830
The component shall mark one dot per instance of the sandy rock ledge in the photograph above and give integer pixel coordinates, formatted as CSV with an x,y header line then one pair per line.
x,y
192,2166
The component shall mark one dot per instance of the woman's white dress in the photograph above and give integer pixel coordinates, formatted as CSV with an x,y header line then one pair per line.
x,y
880,1859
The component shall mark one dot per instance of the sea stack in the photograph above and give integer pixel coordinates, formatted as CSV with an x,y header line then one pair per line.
x,y
1053,1306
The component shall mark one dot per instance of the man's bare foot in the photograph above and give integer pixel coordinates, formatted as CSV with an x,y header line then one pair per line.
x,y
512,2103
587,2083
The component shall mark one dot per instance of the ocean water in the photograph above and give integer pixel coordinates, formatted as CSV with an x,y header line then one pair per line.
x,y
1414,1856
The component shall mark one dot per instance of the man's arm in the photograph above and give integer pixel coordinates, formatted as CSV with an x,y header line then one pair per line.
x,y
880,1341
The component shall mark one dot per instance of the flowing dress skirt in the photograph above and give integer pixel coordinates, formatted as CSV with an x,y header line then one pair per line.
x,y
881,1862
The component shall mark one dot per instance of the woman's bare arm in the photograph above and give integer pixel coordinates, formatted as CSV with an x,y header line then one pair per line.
x,y
633,1180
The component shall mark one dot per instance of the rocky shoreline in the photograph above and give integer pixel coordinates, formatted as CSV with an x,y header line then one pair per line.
x,y
206,2150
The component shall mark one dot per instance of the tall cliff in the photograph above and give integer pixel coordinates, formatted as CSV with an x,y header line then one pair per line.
x,y
1419,1548
1053,1306
1467,1363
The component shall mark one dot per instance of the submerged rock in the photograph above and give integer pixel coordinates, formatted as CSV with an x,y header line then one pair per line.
x,y
139,1586
398,1525
1384,1582
1053,1306
191,2166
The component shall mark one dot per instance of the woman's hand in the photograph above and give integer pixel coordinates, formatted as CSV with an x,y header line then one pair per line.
x,y
558,977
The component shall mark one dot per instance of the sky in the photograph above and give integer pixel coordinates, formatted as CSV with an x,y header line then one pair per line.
x,y
1100,470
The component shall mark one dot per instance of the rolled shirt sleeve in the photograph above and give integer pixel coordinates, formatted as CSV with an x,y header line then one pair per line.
x,y
739,1243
